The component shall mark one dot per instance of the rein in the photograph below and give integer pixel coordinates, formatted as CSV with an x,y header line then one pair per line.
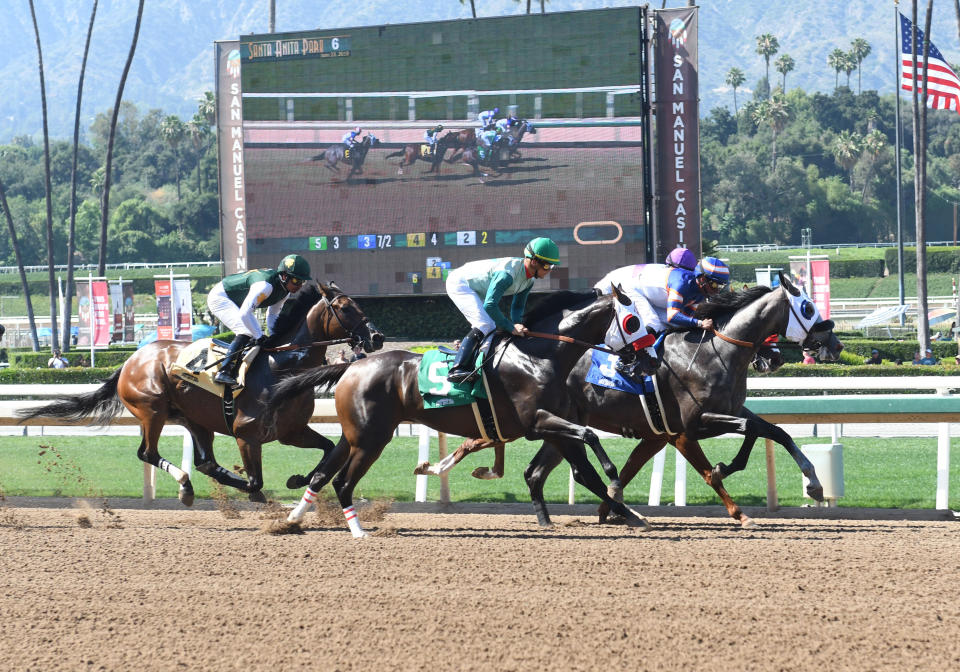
x,y
730,339
570,339
315,344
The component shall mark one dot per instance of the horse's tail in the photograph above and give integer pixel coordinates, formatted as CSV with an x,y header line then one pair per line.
x,y
101,406
396,154
293,386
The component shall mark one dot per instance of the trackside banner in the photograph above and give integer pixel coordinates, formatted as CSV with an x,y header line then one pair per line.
x,y
678,130
233,215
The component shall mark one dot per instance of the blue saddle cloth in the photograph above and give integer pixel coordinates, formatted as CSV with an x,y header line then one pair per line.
x,y
603,372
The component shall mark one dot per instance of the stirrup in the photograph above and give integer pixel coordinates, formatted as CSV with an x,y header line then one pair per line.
x,y
462,376
224,378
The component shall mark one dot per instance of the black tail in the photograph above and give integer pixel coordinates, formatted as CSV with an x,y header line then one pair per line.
x,y
293,386
101,405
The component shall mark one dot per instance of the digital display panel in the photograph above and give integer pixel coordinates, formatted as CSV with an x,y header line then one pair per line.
x,y
393,216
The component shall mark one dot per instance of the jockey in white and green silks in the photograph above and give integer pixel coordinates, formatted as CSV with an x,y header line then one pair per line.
x,y
477,287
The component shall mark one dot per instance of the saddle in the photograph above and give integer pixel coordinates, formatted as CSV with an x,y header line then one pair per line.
x,y
197,364
603,373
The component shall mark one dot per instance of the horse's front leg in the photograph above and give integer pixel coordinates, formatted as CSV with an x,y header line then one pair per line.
x,y
306,438
545,461
639,456
252,455
569,439
749,424
487,473
693,452
319,477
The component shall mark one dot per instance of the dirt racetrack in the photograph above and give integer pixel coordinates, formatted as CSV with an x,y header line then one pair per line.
x,y
127,588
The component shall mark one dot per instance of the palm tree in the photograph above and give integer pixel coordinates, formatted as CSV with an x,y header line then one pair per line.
x,y
846,151
775,112
785,64
173,131
835,60
105,198
734,79
23,274
473,8
71,243
207,106
199,131
51,275
849,65
767,46
873,144
860,49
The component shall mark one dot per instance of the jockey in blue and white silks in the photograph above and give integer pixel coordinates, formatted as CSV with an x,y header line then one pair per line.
x,y
350,137
666,296
487,117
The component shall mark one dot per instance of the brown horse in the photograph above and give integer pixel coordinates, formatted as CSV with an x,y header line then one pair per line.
x,y
413,153
148,389
523,376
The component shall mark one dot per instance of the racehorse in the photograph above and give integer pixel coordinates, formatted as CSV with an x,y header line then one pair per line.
x,y
471,157
148,389
412,153
460,140
515,135
377,393
702,386
337,154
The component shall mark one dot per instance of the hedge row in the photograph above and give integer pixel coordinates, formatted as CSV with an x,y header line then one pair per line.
x,y
34,360
839,268
51,376
939,260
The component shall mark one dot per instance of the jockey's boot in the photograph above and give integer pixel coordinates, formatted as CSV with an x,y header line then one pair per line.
x,y
227,375
462,369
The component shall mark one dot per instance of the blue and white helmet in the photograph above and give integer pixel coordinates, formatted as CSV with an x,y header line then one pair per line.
x,y
714,270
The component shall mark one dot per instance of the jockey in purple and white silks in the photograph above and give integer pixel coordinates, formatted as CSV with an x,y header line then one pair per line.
x,y
665,295
487,117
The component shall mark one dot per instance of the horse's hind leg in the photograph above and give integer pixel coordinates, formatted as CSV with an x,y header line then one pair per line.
x,y
147,452
739,463
205,461
331,463
252,455
693,452
487,473
545,461
346,480
639,456
307,438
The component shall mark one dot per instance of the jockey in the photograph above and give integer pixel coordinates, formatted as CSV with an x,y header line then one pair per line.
x,y
233,300
504,125
477,287
431,135
486,140
665,295
487,117
350,137
681,257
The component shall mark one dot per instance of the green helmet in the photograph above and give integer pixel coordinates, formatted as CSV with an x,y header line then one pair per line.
x,y
295,265
543,249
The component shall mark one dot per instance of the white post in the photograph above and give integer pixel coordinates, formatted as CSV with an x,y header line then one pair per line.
x,y
656,478
445,476
420,494
571,489
149,482
680,481
773,501
943,465
93,321
187,457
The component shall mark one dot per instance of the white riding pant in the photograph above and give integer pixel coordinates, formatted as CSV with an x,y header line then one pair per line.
x,y
230,315
469,303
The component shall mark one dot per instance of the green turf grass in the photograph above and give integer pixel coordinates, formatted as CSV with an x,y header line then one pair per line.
x,y
887,473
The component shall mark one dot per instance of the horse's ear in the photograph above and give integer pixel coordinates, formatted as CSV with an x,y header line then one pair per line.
x,y
333,284
785,281
621,295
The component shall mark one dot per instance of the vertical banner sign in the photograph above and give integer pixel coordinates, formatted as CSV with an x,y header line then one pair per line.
x,y
820,270
164,309
678,130
183,310
116,310
798,271
233,216
129,317
101,313
84,313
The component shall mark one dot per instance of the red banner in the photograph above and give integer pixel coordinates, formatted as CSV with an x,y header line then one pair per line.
x,y
820,270
164,309
101,313
83,313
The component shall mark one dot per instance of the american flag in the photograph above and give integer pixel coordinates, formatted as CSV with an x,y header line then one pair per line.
x,y
943,85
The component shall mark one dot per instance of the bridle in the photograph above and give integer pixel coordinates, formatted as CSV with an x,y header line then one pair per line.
x,y
353,339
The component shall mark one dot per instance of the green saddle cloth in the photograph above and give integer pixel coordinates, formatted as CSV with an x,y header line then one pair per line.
x,y
437,391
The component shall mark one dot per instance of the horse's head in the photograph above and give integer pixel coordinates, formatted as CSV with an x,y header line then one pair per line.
x,y
805,325
343,318
627,334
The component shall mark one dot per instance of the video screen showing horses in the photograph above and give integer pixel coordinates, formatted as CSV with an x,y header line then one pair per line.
x,y
386,172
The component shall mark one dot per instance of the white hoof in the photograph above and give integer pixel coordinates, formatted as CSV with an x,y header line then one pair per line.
x,y
486,473
359,534
746,522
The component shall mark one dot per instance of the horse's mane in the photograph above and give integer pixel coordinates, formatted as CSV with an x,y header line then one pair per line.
x,y
296,308
721,307
556,302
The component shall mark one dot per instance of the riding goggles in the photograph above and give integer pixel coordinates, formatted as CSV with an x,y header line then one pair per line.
x,y
294,280
547,266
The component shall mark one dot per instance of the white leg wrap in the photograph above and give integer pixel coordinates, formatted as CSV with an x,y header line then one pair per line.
x,y
300,510
444,465
178,474
350,514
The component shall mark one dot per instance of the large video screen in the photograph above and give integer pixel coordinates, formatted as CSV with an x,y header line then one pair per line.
x,y
393,216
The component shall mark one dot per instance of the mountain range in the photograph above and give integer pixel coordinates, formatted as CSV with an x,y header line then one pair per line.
x,y
173,65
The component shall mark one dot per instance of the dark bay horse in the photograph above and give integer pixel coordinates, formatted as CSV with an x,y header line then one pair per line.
x,y
413,153
703,385
148,389
375,394
459,140
515,135
336,154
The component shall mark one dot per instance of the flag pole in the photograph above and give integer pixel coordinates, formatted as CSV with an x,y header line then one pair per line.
x,y
896,93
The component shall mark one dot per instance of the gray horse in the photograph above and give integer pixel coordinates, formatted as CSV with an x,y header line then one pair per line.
x,y
337,154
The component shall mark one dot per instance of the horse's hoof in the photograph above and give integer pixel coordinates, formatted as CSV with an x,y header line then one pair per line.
x,y
257,497
816,492
719,472
186,494
360,534
421,469
637,521
485,473
615,493
297,481
747,523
